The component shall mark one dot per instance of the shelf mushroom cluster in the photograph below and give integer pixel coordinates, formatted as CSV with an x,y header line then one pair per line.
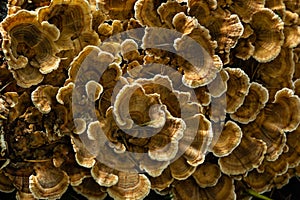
x,y
88,102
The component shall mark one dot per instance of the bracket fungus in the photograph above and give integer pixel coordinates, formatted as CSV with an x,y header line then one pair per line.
x,y
278,73
229,139
121,10
243,159
162,181
195,99
48,182
90,189
83,156
260,182
237,88
43,97
104,175
268,29
73,18
168,10
146,13
188,189
6,184
130,186
246,9
226,29
254,101
29,58
181,170
292,155
207,175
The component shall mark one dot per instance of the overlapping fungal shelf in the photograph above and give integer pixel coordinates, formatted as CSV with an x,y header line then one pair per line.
x,y
250,69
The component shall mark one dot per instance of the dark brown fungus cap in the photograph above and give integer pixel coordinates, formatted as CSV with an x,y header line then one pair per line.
x,y
277,6
246,8
80,126
269,132
180,169
163,181
24,196
196,146
293,6
244,49
91,58
104,30
188,189
207,175
260,182
164,145
139,103
119,9
281,180
278,73
130,186
203,95
237,88
290,18
129,50
83,156
183,23
277,167
6,184
64,95
219,85
90,189
248,155
228,140
75,172
254,101
104,175
224,189
286,104
49,182
292,156
268,30
19,105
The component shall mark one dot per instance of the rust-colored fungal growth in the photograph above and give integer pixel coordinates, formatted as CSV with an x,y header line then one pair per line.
x,y
190,98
